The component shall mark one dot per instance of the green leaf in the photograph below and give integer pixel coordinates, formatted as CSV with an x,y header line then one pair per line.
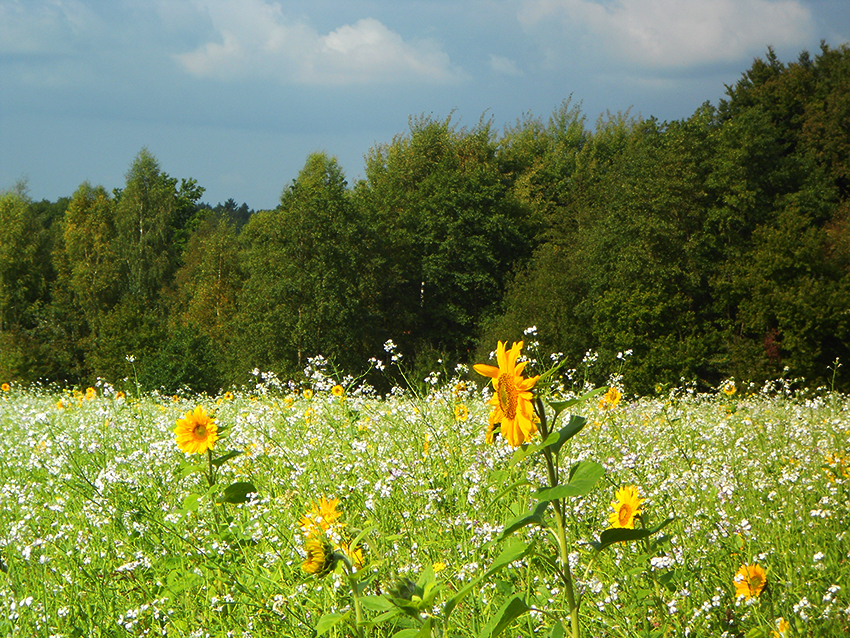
x,y
510,488
583,477
509,611
620,535
558,631
512,552
190,503
560,406
237,492
191,469
376,603
328,622
573,427
221,460
529,518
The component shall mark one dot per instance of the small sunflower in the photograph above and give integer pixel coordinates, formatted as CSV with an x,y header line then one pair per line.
x,y
91,393
196,432
626,507
338,390
228,396
461,412
749,581
322,517
308,394
610,399
511,402
319,560
728,388
5,387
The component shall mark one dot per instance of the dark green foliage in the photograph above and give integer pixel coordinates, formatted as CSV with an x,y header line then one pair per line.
x,y
307,284
450,233
714,246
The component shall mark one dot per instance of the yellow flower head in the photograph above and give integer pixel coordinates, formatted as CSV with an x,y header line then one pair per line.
x,y
308,393
319,560
228,396
438,567
355,555
610,399
196,432
337,390
5,387
749,581
91,393
782,627
119,396
461,412
626,507
512,407
728,388
323,516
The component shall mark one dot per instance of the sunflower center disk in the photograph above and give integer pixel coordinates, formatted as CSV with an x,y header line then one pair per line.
x,y
625,514
507,395
200,432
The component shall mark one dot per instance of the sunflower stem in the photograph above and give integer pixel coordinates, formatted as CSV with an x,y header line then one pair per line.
x,y
211,481
558,506
355,594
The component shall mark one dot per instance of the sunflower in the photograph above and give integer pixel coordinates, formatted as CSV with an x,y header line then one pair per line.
x,y
5,387
337,390
749,581
91,393
626,508
308,393
323,516
512,401
610,399
196,432
319,559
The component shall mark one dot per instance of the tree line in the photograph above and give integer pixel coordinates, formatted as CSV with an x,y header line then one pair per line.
x,y
712,247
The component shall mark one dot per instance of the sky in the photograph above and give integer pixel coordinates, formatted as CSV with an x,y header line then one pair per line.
x,y
237,93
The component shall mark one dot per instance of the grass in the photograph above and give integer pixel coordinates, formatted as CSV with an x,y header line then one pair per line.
x,y
107,529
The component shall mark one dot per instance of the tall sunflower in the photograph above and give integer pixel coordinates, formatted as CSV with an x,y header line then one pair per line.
x,y
196,432
749,581
512,400
626,507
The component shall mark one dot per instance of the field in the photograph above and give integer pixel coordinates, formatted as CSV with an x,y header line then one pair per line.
x,y
108,529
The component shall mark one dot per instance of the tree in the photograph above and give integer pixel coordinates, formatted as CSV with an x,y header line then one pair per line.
x,y
307,284
144,222
450,234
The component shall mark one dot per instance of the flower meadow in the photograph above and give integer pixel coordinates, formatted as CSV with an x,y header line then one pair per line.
x,y
318,507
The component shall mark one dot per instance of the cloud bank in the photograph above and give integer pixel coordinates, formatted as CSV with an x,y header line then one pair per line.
x,y
672,33
254,38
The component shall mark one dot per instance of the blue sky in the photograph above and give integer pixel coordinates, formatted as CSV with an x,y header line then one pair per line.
x,y
237,93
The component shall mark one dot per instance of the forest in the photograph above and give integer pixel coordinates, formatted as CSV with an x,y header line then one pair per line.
x,y
713,247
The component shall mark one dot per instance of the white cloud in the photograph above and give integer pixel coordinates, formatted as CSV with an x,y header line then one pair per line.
x,y
673,33
503,65
36,28
255,39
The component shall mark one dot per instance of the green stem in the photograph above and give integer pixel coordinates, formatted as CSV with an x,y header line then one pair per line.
x,y
355,594
558,506
211,481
